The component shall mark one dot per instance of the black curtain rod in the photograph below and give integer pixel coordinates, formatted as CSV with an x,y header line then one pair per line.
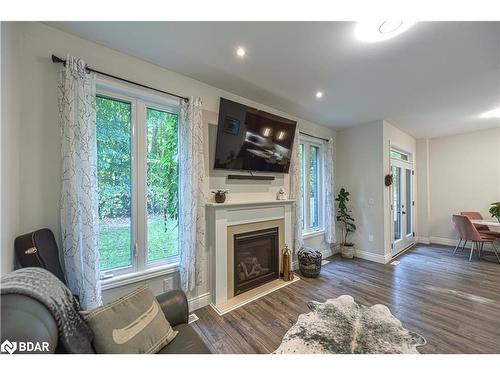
x,y
314,136
58,60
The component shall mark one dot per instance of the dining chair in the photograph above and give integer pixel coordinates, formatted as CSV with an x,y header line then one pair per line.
x,y
468,232
484,229
460,235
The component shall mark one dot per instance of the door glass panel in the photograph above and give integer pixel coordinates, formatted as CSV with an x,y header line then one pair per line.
x,y
396,202
114,171
314,186
162,184
409,206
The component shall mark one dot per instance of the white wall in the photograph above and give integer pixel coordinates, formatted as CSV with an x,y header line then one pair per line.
x,y
36,124
363,159
359,170
463,175
10,144
422,191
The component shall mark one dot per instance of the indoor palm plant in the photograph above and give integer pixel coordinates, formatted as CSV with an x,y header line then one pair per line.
x,y
495,210
347,225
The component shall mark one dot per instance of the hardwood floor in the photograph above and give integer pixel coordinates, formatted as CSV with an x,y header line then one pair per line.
x,y
454,304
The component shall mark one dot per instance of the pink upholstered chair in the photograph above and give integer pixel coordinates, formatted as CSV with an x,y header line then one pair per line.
x,y
483,229
468,232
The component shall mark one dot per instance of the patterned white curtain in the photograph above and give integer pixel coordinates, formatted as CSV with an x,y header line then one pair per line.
x,y
330,236
191,193
295,193
79,200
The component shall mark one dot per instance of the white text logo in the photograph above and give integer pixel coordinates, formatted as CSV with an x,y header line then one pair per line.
x,y
24,346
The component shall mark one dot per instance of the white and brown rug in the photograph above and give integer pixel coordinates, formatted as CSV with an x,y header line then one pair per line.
x,y
342,326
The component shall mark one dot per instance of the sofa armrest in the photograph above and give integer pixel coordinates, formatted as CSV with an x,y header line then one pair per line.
x,y
25,319
175,306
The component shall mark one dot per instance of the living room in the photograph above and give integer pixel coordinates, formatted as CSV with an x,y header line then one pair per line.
x,y
251,187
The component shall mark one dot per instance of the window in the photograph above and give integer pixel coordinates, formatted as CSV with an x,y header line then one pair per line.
x,y
311,174
138,175
400,155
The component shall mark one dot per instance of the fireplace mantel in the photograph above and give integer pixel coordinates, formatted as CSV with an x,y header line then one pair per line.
x,y
220,216
228,204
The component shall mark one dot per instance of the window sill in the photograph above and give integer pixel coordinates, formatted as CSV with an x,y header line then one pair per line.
x,y
312,234
135,277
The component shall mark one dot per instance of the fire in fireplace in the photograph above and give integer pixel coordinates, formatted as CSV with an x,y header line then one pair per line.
x,y
256,259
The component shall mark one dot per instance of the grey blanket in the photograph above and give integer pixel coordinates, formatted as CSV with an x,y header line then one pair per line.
x,y
38,283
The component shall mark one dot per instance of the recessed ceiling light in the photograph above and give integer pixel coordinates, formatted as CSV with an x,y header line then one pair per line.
x,y
494,113
372,32
319,94
240,52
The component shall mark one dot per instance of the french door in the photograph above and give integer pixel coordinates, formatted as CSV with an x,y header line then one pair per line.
x,y
402,207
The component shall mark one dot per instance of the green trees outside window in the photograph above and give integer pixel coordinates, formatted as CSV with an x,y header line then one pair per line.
x,y
116,173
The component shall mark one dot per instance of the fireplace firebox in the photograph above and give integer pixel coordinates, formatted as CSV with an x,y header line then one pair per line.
x,y
256,259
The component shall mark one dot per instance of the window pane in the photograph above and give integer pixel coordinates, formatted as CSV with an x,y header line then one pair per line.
x,y
113,122
162,184
395,154
314,186
302,177
396,201
409,207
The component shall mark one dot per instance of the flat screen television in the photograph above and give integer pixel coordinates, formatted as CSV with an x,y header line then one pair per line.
x,y
252,140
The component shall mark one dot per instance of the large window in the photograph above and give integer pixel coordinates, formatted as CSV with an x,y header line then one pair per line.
x,y
311,174
138,174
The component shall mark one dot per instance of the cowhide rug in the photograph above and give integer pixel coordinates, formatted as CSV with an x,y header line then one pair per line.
x,y
340,325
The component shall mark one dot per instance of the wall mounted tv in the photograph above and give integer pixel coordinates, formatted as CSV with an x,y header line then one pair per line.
x,y
252,140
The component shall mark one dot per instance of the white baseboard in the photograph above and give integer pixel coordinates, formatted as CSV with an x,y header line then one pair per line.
x,y
424,240
200,301
453,242
373,257
443,241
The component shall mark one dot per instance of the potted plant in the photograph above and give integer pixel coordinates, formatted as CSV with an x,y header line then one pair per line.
x,y
495,210
347,225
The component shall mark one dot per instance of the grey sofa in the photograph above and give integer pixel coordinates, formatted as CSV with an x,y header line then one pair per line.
x,y
25,319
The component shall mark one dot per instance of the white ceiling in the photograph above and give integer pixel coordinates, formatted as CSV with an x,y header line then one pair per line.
x,y
433,80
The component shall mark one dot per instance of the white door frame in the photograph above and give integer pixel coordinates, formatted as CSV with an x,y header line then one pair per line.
x,y
407,207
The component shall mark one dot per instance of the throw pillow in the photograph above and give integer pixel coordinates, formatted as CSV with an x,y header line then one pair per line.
x,y
132,324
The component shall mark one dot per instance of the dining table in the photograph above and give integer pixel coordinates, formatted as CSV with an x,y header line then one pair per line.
x,y
493,224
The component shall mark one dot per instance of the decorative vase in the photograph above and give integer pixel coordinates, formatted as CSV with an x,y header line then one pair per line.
x,y
347,251
220,195
287,267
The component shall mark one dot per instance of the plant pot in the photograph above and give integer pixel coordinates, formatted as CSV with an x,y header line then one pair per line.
x,y
347,250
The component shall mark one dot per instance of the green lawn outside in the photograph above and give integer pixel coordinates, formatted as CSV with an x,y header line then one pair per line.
x,y
115,248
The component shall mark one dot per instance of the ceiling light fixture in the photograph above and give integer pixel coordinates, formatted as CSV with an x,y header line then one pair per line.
x,y
372,32
494,113
319,94
240,52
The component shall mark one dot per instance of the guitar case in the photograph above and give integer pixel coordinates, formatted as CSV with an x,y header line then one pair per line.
x,y
39,249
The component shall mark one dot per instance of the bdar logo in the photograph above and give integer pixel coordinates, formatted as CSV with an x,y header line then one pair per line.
x,y
9,347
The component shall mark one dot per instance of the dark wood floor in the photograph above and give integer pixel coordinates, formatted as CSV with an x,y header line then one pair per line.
x,y
454,304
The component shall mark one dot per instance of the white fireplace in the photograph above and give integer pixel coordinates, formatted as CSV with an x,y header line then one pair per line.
x,y
226,220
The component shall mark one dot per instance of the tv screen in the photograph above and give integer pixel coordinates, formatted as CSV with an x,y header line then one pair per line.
x,y
252,140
